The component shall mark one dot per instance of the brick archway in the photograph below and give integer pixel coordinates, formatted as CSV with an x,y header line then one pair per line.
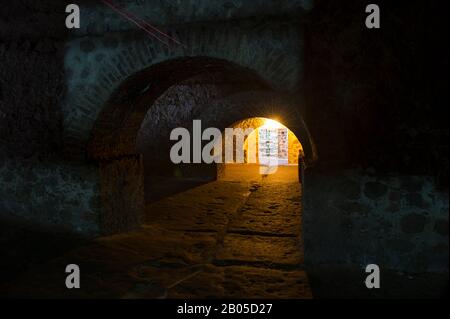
x,y
284,107
116,128
98,66
114,136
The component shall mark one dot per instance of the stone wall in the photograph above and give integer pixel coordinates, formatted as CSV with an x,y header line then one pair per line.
x,y
35,184
359,217
376,104
98,18
31,79
179,105
57,194
379,98
122,194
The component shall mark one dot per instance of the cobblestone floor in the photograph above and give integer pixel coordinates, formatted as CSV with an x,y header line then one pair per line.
x,y
225,239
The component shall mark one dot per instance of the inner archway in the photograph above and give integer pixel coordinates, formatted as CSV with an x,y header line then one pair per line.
x,y
250,222
268,148
115,138
248,219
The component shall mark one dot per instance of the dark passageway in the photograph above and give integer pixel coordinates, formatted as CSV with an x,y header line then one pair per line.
x,y
230,229
236,237
114,153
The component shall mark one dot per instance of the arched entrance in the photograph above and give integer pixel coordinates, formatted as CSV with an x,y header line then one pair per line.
x,y
268,148
114,139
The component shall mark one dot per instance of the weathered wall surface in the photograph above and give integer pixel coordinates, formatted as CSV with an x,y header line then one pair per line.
x,y
355,217
34,183
98,18
122,195
179,105
376,104
383,94
48,193
31,86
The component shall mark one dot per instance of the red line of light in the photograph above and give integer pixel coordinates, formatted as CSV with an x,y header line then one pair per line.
x,y
137,19
127,15
164,34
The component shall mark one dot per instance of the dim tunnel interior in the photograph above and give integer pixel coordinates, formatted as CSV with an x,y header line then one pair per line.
x,y
240,214
86,175
131,137
162,177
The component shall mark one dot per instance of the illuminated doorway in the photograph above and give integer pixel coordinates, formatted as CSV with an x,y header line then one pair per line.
x,y
270,143
270,149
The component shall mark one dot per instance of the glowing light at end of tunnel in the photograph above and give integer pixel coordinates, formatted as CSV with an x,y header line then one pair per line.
x,y
269,123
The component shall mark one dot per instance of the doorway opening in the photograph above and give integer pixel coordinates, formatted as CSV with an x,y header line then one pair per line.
x,y
221,92
270,150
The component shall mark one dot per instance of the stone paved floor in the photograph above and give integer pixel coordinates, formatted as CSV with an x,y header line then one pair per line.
x,y
225,239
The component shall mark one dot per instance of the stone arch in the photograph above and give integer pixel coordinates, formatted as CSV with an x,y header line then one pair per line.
x,y
223,112
283,107
97,66
116,129
228,171
114,136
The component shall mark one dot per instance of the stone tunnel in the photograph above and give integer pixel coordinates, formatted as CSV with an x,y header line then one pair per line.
x,y
85,120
